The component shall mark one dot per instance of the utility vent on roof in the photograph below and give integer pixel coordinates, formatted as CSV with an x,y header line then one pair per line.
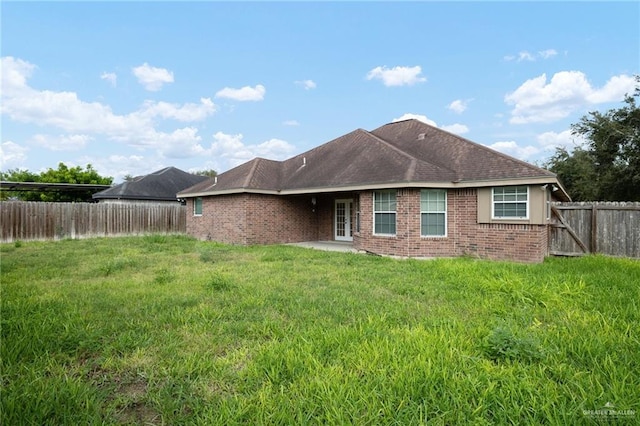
x,y
421,136
304,161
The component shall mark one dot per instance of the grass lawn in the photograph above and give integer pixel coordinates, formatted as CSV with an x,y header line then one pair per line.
x,y
170,330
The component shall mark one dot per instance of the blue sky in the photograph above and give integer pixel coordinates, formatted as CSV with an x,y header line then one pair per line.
x,y
132,87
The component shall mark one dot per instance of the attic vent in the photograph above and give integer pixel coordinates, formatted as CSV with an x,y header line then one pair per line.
x,y
421,136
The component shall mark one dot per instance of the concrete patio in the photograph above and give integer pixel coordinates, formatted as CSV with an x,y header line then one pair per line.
x,y
343,246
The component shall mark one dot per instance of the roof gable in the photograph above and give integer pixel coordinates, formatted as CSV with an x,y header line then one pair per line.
x,y
356,158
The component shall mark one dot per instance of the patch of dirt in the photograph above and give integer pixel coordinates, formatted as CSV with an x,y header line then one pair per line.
x,y
138,413
135,409
135,390
127,396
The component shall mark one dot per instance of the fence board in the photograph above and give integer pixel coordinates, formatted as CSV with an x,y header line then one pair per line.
x,y
21,220
609,228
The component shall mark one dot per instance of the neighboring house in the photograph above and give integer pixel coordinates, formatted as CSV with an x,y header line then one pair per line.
x,y
158,187
406,189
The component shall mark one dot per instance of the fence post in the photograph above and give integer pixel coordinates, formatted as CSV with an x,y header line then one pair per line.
x,y
594,224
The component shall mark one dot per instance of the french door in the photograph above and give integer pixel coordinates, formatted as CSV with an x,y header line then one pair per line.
x,y
343,228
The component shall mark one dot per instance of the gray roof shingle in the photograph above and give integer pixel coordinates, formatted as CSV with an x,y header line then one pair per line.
x,y
396,153
162,185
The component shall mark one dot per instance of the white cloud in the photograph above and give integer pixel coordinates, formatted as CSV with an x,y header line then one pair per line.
x,y
188,112
525,56
459,106
181,143
306,84
397,76
614,90
552,140
65,111
453,128
15,73
459,129
111,77
409,116
246,93
546,54
538,101
515,150
290,123
61,142
152,78
12,155
530,57
231,151
273,149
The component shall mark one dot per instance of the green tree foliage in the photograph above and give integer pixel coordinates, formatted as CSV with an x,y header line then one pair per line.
x,y
608,168
210,173
63,174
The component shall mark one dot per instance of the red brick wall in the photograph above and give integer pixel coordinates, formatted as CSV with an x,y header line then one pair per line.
x,y
272,219
223,219
325,209
524,243
257,219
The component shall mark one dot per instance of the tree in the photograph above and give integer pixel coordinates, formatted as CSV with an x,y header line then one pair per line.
x,y
577,173
63,174
210,173
608,168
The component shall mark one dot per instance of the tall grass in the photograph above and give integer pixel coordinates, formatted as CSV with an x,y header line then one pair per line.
x,y
169,330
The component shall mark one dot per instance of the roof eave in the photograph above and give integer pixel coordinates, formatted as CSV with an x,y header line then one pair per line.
x,y
228,192
535,180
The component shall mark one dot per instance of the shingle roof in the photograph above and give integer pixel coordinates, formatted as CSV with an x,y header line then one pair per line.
x,y
470,160
162,185
403,152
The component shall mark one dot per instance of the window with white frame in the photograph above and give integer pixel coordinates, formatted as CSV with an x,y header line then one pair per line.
x,y
510,202
384,212
433,212
197,206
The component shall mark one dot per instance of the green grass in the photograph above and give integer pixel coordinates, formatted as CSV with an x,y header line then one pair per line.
x,y
170,330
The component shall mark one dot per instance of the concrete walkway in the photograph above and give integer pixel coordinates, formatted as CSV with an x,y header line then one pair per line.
x,y
344,246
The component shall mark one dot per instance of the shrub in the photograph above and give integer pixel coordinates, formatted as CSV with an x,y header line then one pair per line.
x,y
503,344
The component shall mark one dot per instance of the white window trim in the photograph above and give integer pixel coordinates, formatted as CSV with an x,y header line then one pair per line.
x,y
446,227
547,197
395,212
194,206
493,206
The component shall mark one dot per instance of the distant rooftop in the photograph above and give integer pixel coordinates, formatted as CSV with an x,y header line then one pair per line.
x,y
162,185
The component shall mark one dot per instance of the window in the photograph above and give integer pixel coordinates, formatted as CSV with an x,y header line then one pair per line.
x,y
511,202
197,206
433,213
384,212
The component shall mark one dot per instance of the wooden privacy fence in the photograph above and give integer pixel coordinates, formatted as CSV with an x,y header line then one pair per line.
x,y
21,220
611,228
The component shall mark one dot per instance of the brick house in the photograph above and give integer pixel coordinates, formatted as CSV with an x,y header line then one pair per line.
x,y
404,189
